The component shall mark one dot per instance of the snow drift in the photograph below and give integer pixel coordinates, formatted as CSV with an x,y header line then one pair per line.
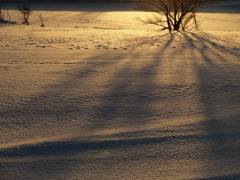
x,y
98,95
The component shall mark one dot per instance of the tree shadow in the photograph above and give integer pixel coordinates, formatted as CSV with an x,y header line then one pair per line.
x,y
218,74
99,95
125,96
129,93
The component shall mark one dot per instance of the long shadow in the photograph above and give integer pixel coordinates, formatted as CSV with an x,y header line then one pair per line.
x,y
71,147
132,89
218,85
203,45
60,105
56,101
126,98
67,147
125,102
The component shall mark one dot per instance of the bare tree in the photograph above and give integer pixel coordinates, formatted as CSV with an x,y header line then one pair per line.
x,y
1,13
173,14
3,9
41,19
26,10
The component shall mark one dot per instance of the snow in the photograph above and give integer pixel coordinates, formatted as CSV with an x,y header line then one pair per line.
x,y
98,95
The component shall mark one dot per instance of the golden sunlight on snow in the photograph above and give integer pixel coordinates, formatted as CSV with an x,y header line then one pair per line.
x,y
99,95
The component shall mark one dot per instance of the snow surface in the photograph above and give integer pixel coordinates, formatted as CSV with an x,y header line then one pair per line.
x,y
98,95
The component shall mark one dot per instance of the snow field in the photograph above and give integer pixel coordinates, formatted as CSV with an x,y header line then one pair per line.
x,y
98,95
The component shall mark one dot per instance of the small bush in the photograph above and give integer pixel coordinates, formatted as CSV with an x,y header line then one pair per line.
x,y
26,10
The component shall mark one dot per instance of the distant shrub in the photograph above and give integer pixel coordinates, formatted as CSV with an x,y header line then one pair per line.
x,y
5,17
41,19
26,10
1,14
3,10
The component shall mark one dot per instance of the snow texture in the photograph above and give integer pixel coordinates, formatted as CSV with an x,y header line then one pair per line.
x,y
98,95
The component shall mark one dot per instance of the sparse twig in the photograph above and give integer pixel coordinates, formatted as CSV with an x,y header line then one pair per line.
x,y
41,19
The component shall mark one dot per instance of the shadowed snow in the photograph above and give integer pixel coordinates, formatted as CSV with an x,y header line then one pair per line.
x,y
98,95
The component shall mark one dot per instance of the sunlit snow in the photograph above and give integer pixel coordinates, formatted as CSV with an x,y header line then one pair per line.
x,y
96,94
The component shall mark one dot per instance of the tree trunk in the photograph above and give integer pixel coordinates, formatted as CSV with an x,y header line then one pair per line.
x,y
168,22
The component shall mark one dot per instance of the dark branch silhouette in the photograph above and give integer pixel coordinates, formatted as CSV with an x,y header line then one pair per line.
x,y
26,10
173,14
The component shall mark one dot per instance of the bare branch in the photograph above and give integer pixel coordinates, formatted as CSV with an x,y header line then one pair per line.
x,y
26,10
180,14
